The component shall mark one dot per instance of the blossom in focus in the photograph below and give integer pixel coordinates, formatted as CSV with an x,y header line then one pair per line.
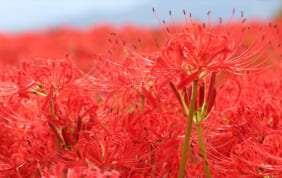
x,y
198,49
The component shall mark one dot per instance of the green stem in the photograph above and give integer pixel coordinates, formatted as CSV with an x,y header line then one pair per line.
x,y
203,151
190,114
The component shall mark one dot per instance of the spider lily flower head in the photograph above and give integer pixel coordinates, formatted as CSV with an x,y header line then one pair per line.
x,y
203,48
56,72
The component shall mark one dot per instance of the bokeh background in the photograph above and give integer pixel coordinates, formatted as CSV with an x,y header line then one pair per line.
x,y
25,15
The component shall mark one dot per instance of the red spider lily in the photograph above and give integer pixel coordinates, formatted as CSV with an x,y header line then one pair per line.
x,y
51,72
198,49
251,158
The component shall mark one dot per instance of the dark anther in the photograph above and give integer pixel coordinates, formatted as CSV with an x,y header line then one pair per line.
x,y
28,142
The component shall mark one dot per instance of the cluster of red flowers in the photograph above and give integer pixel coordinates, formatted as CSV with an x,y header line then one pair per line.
x,y
115,105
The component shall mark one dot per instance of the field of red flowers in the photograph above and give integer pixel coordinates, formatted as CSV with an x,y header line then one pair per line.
x,y
187,100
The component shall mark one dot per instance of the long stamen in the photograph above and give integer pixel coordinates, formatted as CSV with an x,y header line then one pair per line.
x,y
161,24
186,19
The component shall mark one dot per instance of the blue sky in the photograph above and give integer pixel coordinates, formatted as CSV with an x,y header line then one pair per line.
x,y
23,15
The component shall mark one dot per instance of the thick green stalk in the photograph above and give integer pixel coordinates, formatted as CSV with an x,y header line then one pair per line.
x,y
190,114
203,151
